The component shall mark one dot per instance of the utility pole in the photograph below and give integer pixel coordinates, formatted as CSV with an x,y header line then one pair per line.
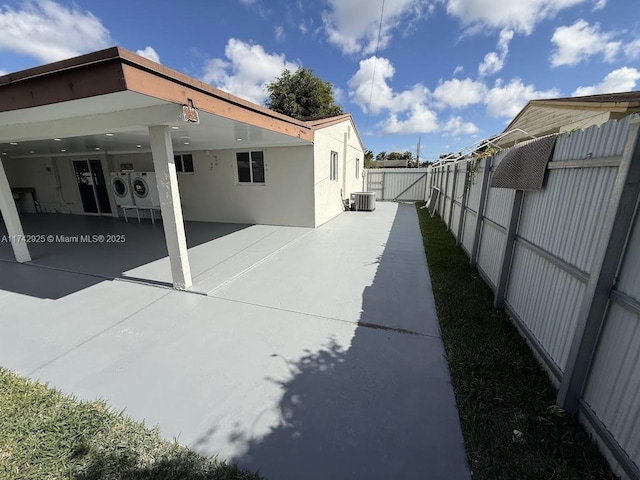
x,y
418,153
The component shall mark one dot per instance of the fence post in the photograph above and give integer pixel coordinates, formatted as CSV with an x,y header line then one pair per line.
x,y
382,188
453,195
446,193
509,247
617,224
484,192
463,206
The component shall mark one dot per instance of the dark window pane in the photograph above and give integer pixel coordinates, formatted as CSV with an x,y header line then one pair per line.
x,y
187,163
244,170
257,164
178,161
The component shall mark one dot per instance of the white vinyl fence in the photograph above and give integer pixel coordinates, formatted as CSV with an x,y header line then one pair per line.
x,y
396,184
565,263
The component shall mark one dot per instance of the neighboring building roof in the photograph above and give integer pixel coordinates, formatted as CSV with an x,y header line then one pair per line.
x,y
393,163
546,116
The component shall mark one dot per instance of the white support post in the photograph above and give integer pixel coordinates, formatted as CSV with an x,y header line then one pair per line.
x,y
162,150
12,219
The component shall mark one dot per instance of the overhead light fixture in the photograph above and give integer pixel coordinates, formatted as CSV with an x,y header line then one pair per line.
x,y
187,143
138,146
175,128
56,139
97,148
14,143
4,153
31,151
238,139
63,150
109,134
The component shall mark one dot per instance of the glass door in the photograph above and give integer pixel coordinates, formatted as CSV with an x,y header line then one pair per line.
x,y
92,186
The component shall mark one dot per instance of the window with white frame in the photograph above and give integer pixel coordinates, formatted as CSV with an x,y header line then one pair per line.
x,y
250,167
184,163
357,168
333,168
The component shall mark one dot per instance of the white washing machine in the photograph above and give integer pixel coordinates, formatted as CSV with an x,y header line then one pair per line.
x,y
145,189
121,186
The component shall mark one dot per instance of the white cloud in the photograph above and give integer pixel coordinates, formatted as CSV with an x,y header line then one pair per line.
x,y
246,70
521,16
49,31
599,5
632,49
150,53
279,31
494,61
455,126
352,25
372,92
457,70
621,80
506,100
420,119
457,93
580,41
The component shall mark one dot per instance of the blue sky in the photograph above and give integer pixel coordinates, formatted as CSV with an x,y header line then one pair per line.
x,y
449,71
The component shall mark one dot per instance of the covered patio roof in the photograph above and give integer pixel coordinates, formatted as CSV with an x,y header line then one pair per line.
x,y
106,100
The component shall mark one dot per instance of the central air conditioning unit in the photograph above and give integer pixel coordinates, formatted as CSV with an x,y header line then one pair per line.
x,y
364,201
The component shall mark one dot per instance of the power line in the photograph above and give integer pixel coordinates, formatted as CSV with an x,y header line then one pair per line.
x,y
375,61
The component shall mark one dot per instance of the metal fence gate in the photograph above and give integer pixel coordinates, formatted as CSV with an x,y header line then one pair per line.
x,y
396,184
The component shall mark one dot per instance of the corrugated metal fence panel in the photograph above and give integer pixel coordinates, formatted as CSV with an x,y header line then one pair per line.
x,y
566,217
607,140
492,243
460,180
498,205
629,280
455,219
468,231
475,188
545,298
613,386
374,181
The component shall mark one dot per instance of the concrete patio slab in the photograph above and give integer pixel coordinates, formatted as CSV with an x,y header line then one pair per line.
x,y
217,251
323,360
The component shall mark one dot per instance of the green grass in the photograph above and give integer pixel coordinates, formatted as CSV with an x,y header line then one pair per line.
x,y
47,435
498,383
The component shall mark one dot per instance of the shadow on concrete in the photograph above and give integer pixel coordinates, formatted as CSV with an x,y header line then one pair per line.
x,y
125,246
380,408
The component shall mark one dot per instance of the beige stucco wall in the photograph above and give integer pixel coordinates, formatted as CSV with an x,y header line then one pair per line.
x,y
56,193
212,192
328,193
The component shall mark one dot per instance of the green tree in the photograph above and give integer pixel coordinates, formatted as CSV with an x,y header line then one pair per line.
x,y
368,159
302,95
